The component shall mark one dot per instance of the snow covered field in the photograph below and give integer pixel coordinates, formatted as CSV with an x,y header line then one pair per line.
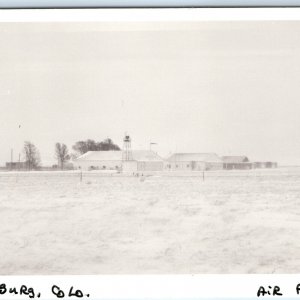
x,y
233,222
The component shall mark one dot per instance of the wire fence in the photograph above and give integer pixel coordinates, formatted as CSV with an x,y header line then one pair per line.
x,y
203,175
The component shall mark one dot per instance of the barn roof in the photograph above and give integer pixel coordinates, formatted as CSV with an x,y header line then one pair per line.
x,y
235,159
100,155
205,157
138,155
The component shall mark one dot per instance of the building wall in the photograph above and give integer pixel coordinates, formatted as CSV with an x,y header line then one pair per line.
x,y
142,166
272,165
185,166
214,166
150,166
238,166
129,166
265,165
126,166
98,165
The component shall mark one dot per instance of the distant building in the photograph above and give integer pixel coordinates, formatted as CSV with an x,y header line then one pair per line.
x,y
139,161
236,163
67,166
193,162
265,165
15,165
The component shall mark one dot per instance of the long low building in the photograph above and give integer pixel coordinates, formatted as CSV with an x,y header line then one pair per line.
x,y
193,162
140,160
236,163
243,163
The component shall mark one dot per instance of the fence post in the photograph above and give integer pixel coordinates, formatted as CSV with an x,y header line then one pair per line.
x,y
80,175
203,176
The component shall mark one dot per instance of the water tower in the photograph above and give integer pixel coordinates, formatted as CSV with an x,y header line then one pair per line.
x,y
127,153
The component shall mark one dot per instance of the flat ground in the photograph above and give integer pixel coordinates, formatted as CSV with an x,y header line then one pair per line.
x,y
233,222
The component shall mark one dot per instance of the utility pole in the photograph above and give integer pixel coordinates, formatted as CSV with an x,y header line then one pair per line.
x,y
150,148
11,158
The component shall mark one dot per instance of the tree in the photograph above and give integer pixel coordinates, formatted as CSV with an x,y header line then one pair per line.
x,y
61,154
31,155
108,145
82,147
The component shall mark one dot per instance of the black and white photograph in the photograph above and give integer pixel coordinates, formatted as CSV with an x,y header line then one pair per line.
x,y
149,147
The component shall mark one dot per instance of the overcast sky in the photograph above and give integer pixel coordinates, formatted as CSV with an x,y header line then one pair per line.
x,y
227,87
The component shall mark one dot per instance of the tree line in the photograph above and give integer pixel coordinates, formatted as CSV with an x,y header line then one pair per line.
x,y
32,156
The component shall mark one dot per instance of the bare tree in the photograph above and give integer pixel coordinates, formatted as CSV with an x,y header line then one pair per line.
x,y
31,155
61,154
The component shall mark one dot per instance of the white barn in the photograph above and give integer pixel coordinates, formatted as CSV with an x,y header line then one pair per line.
x,y
99,160
193,162
142,160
